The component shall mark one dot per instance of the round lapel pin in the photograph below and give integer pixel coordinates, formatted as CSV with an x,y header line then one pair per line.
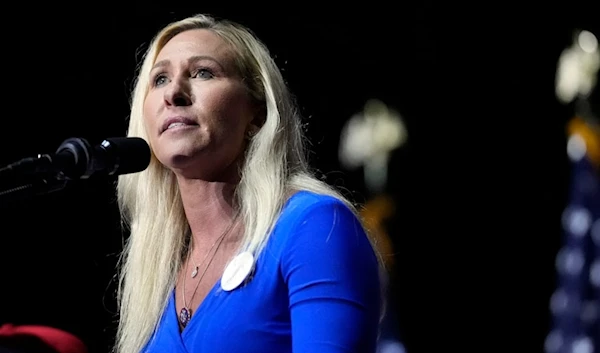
x,y
237,271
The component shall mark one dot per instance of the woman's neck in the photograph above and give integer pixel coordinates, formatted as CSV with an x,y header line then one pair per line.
x,y
209,207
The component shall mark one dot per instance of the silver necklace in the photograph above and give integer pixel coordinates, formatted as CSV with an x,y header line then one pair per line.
x,y
185,315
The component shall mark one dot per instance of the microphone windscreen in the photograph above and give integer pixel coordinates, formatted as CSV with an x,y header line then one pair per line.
x,y
130,154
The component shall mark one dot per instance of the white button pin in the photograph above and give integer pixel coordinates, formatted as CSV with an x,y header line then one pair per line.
x,y
236,272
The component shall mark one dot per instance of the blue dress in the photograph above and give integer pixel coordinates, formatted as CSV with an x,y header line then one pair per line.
x,y
315,288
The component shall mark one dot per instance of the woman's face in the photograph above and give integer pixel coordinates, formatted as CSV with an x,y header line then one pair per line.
x,y
197,109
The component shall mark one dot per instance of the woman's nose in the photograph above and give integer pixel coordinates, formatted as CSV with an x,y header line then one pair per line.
x,y
178,94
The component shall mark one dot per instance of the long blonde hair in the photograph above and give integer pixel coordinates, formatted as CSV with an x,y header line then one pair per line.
x,y
150,203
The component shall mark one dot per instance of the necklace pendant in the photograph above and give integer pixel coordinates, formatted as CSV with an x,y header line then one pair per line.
x,y
185,315
195,272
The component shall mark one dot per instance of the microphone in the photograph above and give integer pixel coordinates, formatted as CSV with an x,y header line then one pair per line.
x,y
75,159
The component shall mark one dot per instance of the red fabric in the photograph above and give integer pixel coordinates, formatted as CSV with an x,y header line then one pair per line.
x,y
59,340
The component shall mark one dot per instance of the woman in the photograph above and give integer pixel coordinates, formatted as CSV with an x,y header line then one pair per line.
x,y
234,246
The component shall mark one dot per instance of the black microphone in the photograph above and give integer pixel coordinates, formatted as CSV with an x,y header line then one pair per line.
x,y
75,158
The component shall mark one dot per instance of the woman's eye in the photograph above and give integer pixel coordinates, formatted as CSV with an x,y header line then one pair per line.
x,y
203,73
159,80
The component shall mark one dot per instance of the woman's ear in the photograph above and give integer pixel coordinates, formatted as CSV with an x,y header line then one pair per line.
x,y
251,130
260,116
257,122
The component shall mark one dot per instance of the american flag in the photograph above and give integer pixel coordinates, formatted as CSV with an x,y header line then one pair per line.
x,y
575,304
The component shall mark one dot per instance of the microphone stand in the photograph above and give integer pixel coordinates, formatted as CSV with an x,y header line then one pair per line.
x,y
29,190
30,182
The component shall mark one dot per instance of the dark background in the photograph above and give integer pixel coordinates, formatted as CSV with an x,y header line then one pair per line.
x,y
479,186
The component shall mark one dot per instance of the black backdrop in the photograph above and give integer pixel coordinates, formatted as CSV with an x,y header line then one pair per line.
x,y
480,185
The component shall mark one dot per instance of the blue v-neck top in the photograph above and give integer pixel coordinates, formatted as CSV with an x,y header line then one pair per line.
x,y
315,288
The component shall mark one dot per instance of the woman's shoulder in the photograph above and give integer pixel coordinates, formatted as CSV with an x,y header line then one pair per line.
x,y
307,211
303,201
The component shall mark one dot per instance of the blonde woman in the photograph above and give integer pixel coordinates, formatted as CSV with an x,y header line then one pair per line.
x,y
234,245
